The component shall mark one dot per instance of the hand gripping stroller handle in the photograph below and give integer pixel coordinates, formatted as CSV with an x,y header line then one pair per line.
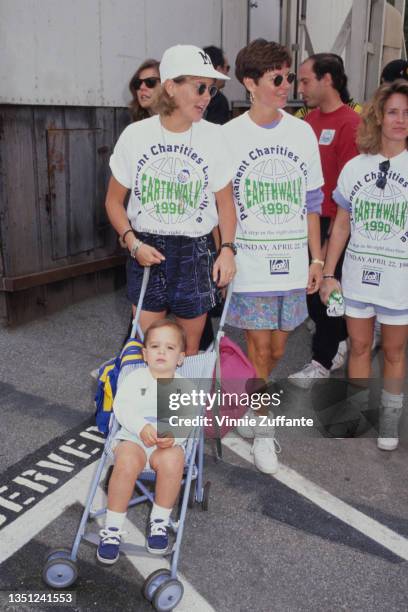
x,y
135,324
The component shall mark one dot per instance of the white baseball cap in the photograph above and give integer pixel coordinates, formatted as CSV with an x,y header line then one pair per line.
x,y
187,60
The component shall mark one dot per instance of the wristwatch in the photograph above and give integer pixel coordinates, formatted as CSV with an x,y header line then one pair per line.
x,y
229,245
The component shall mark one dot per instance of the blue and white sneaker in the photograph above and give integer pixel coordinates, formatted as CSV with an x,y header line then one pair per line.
x,y
157,541
108,549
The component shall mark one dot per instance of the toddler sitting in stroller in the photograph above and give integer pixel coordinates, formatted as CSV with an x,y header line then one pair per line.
x,y
137,444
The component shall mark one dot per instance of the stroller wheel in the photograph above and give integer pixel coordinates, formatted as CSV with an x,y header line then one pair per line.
x,y
153,582
206,495
60,573
58,553
191,496
168,595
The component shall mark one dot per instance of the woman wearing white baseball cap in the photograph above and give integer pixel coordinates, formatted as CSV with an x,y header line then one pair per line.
x,y
176,166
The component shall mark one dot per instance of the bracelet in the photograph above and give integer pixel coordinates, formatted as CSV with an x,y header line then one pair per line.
x,y
318,261
328,276
126,233
135,248
122,238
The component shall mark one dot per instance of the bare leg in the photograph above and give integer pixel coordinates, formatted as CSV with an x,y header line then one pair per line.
x,y
193,329
361,338
394,341
147,317
168,463
130,460
265,348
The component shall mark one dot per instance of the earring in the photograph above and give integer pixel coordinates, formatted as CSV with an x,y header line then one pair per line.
x,y
251,97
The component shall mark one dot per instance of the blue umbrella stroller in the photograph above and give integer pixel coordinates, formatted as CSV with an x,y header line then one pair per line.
x,y
162,587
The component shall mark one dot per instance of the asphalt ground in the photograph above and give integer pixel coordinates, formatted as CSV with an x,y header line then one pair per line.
x,y
264,544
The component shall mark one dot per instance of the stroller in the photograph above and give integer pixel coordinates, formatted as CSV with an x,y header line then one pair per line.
x,y
162,588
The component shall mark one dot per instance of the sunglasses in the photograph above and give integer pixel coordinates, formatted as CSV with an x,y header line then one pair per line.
x,y
383,168
150,82
278,80
201,88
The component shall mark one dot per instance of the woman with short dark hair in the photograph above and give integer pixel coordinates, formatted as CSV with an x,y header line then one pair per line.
x,y
276,186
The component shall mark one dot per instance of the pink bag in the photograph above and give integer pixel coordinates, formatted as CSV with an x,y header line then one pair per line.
x,y
237,376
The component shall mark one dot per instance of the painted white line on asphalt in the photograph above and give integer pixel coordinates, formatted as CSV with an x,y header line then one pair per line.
x,y
25,528
146,565
358,520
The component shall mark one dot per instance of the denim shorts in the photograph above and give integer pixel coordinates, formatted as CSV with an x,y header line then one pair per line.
x,y
182,284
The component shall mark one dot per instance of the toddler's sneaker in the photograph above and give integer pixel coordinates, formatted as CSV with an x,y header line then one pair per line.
x,y
388,438
157,541
108,549
308,375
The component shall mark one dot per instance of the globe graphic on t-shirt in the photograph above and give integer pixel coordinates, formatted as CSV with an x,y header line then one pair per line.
x,y
277,186
382,211
175,189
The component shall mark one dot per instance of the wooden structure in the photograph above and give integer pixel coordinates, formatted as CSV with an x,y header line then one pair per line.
x,y
57,245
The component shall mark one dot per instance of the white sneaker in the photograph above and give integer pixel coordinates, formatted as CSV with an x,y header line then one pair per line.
x,y
247,431
340,357
264,452
388,438
308,375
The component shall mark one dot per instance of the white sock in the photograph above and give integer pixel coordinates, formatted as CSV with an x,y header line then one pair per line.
x,y
158,512
391,400
115,519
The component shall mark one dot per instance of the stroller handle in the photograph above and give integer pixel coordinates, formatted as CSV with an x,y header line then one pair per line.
x,y
135,325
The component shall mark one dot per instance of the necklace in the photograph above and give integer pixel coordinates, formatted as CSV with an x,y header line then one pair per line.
x,y
183,175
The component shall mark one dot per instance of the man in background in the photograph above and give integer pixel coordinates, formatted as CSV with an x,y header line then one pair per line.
x,y
218,110
323,85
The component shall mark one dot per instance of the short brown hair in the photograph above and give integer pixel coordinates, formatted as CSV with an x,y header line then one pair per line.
x,y
137,112
260,56
369,131
165,104
172,325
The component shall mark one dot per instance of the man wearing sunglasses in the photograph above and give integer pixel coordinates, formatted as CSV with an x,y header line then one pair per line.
x,y
218,110
323,85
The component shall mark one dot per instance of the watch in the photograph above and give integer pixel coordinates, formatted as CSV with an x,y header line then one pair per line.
x,y
229,245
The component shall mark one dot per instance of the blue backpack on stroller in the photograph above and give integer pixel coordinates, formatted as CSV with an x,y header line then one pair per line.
x,y
108,380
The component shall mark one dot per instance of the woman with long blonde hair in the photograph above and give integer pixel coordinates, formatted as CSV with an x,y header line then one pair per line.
x,y
372,198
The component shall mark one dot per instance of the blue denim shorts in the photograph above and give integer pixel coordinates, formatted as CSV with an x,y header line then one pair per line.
x,y
182,284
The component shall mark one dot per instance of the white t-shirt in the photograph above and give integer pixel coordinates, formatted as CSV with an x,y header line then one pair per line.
x,y
135,403
172,176
273,169
375,268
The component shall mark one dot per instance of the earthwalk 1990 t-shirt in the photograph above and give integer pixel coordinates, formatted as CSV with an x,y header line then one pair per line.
x,y
273,170
172,176
375,268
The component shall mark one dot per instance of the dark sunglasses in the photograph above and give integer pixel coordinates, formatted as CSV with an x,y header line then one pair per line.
x,y
201,88
383,168
150,82
278,80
